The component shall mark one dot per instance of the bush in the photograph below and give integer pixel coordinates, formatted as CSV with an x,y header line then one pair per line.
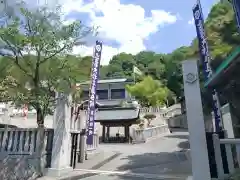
x,y
149,118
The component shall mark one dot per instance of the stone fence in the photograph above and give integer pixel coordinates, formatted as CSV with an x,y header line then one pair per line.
x,y
143,135
19,153
30,120
232,149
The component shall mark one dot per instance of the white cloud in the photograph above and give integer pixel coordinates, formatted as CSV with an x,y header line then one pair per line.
x,y
125,24
107,52
191,22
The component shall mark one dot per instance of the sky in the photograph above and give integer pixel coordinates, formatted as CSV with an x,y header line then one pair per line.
x,y
132,26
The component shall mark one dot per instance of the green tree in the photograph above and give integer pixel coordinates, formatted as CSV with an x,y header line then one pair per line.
x,y
149,92
38,42
121,65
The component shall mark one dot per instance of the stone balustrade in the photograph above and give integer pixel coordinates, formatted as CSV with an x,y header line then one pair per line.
x,y
232,148
143,135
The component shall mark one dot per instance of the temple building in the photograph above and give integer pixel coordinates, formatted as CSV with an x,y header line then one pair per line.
x,y
226,80
116,109
109,91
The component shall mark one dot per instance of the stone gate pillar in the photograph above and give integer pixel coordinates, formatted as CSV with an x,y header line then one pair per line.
x,y
61,150
196,127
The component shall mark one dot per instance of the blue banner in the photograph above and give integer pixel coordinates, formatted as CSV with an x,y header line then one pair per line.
x,y
203,45
236,7
92,93
205,58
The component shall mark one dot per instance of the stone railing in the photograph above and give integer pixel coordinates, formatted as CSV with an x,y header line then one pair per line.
x,y
151,110
233,157
179,121
165,113
79,124
143,135
19,152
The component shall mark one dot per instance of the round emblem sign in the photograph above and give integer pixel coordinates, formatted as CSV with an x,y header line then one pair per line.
x,y
191,78
197,14
98,48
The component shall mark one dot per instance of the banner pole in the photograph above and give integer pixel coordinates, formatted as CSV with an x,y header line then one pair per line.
x,y
205,58
93,91
236,8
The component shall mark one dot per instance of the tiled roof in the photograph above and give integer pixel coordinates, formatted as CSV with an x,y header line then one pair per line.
x,y
117,114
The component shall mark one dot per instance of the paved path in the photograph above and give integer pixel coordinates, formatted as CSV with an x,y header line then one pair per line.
x,y
162,158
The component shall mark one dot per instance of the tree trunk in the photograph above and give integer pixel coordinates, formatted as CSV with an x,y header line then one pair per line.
x,y
40,142
40,117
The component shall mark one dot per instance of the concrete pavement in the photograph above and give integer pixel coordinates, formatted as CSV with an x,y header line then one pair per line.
x,y
163,157
112,175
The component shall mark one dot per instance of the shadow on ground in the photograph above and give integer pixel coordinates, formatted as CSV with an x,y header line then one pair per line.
x,y
161,164
148,166
158,164
183,145
169,163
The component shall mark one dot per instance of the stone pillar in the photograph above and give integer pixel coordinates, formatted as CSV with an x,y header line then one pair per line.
x,y
126,132
78,123
83,147
108,132
109,91
62,138
103,133
227,121
82,119
196,127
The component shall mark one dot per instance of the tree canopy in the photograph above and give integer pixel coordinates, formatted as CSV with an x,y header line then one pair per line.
x,y
36,61
149,92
